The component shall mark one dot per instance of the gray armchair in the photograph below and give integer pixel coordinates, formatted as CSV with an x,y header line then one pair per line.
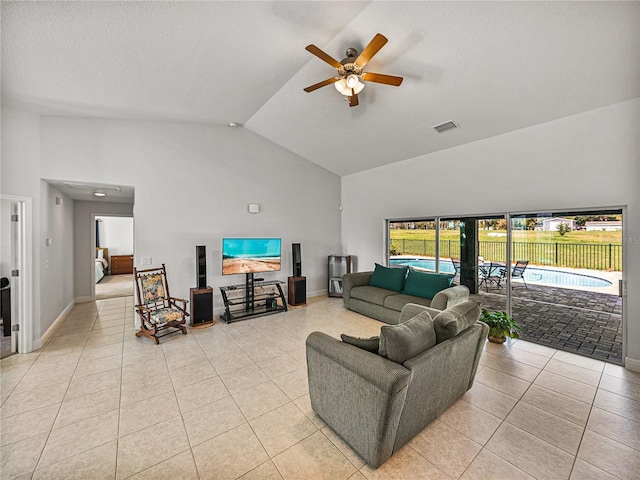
x,y
378,403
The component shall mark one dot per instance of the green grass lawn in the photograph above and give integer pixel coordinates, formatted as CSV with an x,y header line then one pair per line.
x,y
532,236
575,249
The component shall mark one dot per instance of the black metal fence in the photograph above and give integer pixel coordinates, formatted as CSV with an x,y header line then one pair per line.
x,y
593,256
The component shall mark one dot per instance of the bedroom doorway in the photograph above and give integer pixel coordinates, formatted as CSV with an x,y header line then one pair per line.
x,y
16,259
113,256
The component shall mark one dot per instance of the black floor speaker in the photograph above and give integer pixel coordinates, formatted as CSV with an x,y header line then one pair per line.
x,y
201,306
297,291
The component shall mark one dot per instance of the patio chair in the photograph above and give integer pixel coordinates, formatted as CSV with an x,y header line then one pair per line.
x,y
488,274
456,265
517,272
160,313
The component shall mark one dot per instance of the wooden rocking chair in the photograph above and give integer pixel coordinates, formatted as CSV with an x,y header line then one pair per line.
x,y
159,312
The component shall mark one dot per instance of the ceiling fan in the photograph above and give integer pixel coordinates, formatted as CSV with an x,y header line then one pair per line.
x,y
348,81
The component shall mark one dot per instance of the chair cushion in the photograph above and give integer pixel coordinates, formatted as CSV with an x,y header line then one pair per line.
x,y
388,278
162,316
369,344
397,302
426,284
152,288
401,342
456,319
373,295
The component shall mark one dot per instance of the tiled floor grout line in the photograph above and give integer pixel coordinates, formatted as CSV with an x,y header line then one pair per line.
x,y
509,348
65,393
115,467
214,369
591,406
290,401
249,422
586,425
504,420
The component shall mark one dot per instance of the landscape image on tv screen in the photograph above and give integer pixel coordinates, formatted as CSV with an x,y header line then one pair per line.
x,y
250,255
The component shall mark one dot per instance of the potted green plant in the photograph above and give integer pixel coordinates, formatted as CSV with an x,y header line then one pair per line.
x,y
501,326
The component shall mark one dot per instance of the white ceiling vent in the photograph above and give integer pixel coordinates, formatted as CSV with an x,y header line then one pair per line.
x,y
443,127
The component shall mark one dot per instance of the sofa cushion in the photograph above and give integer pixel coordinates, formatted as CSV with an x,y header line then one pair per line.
x,y
404,341
388,278
373,295
371,344
397,302
453,320
426,284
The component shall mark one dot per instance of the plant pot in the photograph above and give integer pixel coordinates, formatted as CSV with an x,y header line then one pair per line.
x,y
497,338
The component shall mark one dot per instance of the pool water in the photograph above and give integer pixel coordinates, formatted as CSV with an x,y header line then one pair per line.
x,y
541,276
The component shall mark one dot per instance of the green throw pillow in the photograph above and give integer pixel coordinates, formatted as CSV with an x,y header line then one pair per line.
x,y
388,278
425,284
401,342
369,344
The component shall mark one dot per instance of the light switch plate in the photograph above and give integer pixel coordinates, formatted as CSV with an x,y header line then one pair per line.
x,y
146,260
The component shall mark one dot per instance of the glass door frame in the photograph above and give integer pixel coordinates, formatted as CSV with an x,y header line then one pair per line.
x,y
508,216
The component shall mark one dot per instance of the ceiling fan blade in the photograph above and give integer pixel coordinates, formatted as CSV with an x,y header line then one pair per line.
x,y
323,56
324,83
370,50
380,78
353,99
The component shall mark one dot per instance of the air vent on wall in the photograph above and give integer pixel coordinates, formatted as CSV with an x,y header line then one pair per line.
x,y
443,127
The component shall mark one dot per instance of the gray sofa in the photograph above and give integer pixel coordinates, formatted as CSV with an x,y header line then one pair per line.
x,y
386,305
378,402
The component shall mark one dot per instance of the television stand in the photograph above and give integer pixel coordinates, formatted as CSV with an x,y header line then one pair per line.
x,y
253,299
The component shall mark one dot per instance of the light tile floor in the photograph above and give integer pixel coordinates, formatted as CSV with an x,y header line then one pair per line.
x,y
231,401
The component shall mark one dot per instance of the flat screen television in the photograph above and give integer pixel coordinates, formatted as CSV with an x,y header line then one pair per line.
x,y
251,255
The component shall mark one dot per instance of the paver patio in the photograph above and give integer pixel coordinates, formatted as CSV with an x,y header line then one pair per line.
x,y
577,321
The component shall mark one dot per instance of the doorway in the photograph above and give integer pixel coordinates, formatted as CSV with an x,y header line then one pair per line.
x,y
113,256
16,264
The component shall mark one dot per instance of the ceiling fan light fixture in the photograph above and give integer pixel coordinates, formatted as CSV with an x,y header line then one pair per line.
x,y
341,86
352,81
348,80
346,85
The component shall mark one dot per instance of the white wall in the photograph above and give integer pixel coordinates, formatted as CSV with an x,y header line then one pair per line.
x,y
20,164
116,234
84,238
587,160
192,186
56,260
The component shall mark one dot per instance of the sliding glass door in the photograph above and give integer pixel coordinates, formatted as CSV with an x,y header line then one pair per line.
x,y
414,243
557,273
566,273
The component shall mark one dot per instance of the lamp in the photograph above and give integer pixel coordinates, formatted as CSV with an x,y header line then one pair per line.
x,y
99,193
345,85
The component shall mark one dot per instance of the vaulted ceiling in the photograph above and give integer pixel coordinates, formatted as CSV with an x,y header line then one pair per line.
x,y
492,67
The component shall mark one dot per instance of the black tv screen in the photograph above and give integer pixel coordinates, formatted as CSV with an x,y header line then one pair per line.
x,y
250,255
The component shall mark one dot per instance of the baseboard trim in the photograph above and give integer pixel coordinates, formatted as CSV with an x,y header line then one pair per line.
x,y
318,293
83,299
632,364
42,341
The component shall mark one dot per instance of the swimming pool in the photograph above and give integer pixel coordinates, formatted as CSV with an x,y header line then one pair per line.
x,y
533,275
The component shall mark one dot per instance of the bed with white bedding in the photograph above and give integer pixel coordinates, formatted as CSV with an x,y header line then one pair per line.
x,y
101,263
